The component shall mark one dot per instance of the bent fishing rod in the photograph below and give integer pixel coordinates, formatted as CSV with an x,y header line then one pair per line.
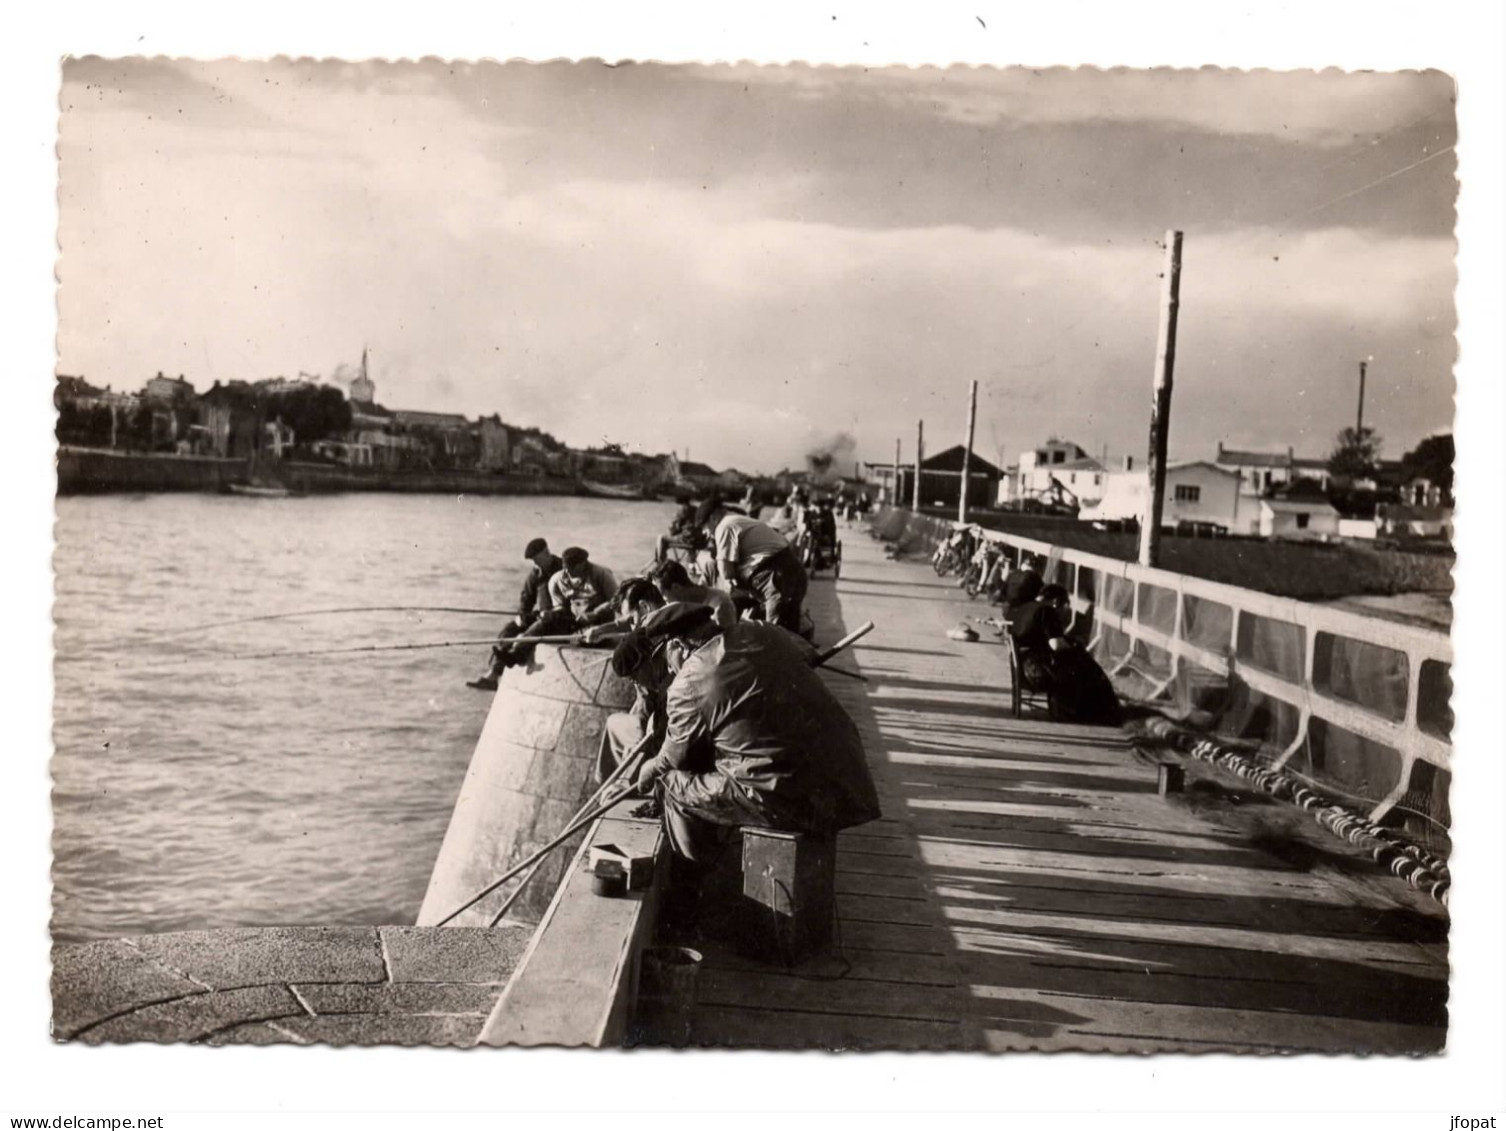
x,y
589,814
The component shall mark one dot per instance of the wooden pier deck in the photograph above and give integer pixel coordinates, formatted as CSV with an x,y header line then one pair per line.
x,y
1028,888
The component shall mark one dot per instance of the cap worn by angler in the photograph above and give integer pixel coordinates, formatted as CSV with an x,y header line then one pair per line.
x,y
631,653
575,556
535,547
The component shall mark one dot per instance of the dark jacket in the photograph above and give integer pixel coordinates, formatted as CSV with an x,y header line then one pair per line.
x,y
747,706
533,599
1020,586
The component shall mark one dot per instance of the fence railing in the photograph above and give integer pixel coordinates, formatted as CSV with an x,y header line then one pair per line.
x,y
1357,704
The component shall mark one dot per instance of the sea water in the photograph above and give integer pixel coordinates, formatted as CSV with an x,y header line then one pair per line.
x,y
197,785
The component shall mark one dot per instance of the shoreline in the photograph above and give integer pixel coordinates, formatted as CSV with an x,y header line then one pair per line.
x,y
103,471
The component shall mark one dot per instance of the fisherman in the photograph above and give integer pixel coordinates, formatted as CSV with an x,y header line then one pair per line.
x,y
581,592
749,553
675,585
637,597
533,602
753,736
683,534
643,665
1051,661
1021,585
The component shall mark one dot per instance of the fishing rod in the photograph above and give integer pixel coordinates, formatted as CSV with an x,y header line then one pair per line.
x,y
587,815
343,609
628,765
580,822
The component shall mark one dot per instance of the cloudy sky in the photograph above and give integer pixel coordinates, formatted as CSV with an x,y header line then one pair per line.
x,y
743,262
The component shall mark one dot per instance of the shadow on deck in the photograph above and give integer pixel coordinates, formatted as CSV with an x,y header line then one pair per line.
x,y
1028,889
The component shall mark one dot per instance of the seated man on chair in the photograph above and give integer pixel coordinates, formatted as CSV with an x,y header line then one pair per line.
x,y
753,737
1051,661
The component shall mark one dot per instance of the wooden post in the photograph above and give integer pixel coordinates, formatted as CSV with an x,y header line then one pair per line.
x,y
1160,412
967,451
894,492
920,454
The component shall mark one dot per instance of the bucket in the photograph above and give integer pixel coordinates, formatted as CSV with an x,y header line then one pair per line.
x,y
667,995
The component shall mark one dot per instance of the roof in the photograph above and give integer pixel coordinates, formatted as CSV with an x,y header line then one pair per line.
x,y
1310,464
1253,459
689,468
951,460
1086,463
1298,506
1184,464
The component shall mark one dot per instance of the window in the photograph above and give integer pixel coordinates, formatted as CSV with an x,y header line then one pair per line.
x,y
1302,521
1187,493
1058,457
1098,481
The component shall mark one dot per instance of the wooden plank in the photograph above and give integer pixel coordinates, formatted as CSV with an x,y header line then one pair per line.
x,y
1094,1023
785,1029
858,964
576,982
848,996
1251,942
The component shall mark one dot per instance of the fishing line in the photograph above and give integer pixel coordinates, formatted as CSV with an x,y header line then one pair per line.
x,y
346,609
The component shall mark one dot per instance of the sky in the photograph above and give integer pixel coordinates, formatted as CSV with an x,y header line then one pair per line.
x,y
745,264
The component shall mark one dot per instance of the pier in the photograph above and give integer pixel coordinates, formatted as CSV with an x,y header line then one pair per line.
x,y
1028,887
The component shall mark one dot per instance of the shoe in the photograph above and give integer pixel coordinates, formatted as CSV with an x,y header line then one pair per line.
x,y
485,683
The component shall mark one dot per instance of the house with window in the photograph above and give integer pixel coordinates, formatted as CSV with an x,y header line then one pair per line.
x,y
1264,472
1298,519
1197,492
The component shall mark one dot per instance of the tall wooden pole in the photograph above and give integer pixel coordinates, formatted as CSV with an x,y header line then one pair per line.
x,y
1160,412
920,454
894,494
967,451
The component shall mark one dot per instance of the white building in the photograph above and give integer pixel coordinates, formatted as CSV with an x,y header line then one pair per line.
x,y
1263,471
1196,492
1298,519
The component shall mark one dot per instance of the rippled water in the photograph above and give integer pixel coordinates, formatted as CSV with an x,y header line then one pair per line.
x,y
194,789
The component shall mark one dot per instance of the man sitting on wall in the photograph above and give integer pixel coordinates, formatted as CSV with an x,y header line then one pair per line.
x,y
533,602
1051,661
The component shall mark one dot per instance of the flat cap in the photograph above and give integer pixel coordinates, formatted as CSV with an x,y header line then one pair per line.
x,y
574,556
536,546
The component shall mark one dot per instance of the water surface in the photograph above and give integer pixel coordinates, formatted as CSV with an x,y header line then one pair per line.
x,y
194,787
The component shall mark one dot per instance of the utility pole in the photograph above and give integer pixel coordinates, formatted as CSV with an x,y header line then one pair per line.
x,y
1160,411
894,493
920,454
967,451
1359,416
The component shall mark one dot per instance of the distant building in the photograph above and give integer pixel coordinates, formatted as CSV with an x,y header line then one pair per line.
x,y
495,443
1196,492
169,390
363,388
1263,472
941,480
1298,519
698,475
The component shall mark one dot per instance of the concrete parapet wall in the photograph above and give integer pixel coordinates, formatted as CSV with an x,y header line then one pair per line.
x,y
533,768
